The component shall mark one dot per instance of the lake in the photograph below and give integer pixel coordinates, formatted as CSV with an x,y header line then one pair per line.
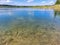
x,y
29,26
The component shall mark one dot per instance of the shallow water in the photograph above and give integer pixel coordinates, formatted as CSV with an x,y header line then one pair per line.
x,y
29,22
44,18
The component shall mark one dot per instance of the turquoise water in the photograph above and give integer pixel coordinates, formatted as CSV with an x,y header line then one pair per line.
x,y
47,19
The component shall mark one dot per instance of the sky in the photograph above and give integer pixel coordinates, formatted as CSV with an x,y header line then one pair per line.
x,y
28,2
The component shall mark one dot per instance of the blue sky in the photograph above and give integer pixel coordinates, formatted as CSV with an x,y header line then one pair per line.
x,y
27,2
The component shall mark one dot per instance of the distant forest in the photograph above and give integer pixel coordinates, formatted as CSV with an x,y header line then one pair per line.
x,y
58,2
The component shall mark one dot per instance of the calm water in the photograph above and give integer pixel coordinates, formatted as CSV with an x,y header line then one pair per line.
x,y
28,26
47,19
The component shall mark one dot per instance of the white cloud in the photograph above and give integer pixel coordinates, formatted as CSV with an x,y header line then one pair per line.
x,y
27,2
30,0
51,2
43,2
5,1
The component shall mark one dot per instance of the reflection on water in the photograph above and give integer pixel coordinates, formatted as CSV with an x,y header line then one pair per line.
x,y
32,21
46,18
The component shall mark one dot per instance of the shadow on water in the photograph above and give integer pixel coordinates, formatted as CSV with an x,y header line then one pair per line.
x,y
35,26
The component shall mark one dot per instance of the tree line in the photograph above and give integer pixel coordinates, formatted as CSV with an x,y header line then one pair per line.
x,y
58,2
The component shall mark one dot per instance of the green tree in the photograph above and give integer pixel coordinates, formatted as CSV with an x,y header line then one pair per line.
x,y
58,2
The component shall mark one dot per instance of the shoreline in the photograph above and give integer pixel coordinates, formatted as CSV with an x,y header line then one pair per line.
x,y
55,7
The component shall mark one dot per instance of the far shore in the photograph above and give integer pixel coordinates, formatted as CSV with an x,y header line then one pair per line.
x,y
55,7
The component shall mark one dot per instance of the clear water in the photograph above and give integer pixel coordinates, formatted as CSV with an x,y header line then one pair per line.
x,y
29,26
28,17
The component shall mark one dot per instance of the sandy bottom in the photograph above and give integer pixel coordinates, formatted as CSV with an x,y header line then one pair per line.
x,y
23,36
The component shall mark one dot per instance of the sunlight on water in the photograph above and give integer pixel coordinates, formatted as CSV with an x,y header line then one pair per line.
x,y
28,26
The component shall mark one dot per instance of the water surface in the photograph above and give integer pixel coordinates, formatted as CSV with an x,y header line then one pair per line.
x,y
45,18
35,26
